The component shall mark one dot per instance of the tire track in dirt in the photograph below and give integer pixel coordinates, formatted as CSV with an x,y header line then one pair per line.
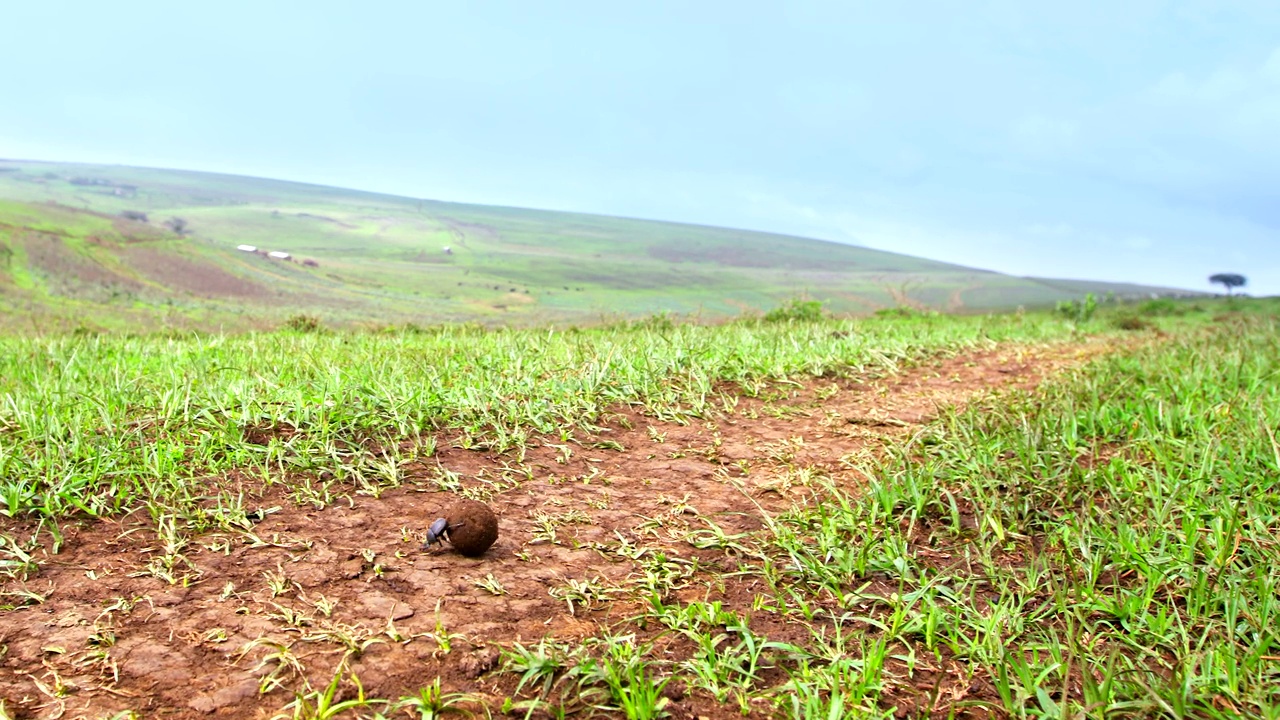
x,y
955,302
306,586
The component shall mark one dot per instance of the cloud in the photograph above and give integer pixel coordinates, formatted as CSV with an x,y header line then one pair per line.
x,y
1201,136
1231,105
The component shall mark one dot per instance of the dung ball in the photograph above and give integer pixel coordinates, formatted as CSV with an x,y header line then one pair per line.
x,y
472,527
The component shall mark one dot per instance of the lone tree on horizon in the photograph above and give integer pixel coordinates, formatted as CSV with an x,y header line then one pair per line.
x,y
1230,281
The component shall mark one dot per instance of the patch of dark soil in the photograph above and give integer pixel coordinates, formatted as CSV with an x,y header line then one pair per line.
x,y
203,278
734,255
134,231
70,273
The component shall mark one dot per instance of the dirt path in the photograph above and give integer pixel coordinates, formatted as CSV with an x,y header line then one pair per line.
x,y
291,596
955,302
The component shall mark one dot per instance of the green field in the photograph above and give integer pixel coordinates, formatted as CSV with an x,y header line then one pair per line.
x,y
1020,515
68,260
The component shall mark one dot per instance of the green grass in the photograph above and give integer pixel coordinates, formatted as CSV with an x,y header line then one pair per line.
x,y
1109,542
1105,546
104,424
381,258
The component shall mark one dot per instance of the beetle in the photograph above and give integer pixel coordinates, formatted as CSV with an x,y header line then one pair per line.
x,y
439,530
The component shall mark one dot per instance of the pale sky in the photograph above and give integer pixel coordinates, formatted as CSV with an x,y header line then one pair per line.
x,y
1135,141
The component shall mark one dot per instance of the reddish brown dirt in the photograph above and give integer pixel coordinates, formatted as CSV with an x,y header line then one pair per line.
x,y
901,295
109,636
955,302
69,272
197,277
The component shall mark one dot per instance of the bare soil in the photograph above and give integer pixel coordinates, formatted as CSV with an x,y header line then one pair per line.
x,y
69,272
198,277
110,635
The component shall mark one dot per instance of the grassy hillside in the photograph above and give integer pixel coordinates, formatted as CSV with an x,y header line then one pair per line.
x,y
380,258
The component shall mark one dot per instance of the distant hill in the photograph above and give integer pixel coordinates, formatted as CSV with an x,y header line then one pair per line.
x,y
133,247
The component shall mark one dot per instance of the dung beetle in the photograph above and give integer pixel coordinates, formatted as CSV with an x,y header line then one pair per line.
x,y
439,530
